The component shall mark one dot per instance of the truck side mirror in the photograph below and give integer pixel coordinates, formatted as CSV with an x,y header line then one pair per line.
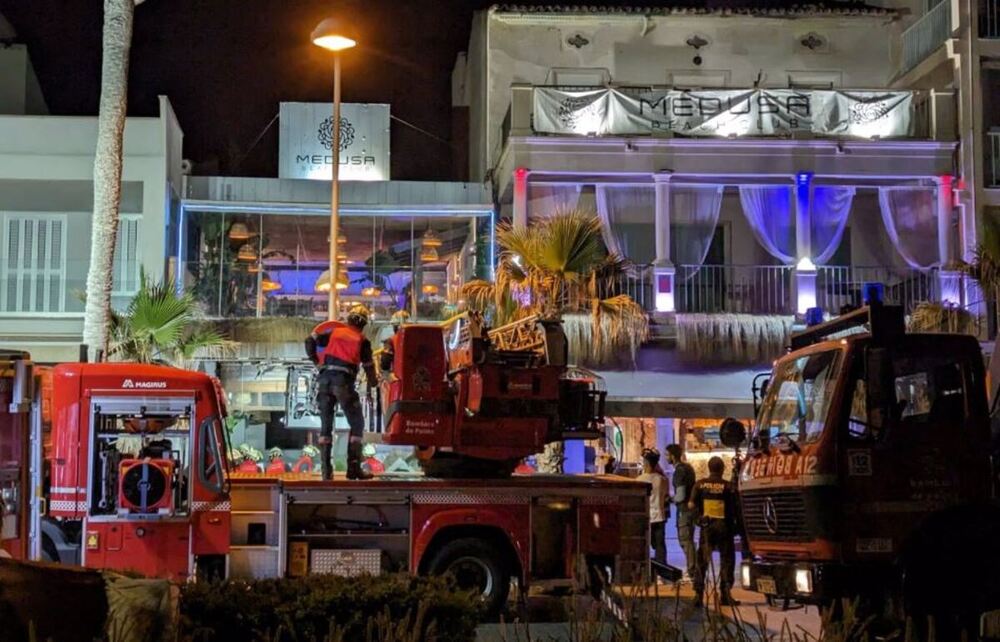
x,y
732,432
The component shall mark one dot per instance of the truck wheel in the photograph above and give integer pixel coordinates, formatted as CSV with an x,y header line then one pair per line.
x,y
476,566
49,551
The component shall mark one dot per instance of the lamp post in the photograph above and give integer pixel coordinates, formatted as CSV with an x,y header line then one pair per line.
x,y
331,36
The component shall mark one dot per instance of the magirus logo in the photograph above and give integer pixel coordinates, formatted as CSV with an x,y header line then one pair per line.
x,y
155,385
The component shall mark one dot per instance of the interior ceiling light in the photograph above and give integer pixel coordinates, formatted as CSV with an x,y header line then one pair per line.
x,y
239,232
269,285
247,253
431,239
429,288
428,255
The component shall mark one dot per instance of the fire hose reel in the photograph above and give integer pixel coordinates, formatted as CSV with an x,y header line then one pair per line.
x,y
144,486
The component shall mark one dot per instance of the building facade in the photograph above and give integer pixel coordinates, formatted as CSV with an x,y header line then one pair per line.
x,y
750,163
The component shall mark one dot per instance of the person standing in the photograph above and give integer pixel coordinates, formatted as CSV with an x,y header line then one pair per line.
x,y
340,350
713,501
652,475
683,482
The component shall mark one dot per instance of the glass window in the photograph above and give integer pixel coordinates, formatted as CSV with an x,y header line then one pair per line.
x,y
798,399
928,388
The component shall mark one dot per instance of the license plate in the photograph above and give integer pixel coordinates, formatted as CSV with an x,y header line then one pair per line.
x,y
766,585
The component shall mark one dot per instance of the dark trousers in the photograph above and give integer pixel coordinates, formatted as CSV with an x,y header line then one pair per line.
x,y
657,539
337,388
715,536
685,536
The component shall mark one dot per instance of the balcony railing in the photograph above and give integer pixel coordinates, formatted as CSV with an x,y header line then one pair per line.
x,y
993,144
926,35
770,289
989,18
746,289
838,286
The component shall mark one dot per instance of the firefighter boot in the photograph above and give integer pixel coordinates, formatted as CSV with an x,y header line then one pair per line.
x,y
354,470
325,455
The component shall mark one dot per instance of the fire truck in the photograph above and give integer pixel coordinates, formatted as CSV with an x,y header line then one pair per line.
x,y
871,471
134,474
137,475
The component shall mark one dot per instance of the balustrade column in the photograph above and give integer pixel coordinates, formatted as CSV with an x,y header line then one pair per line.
x,y
805,269
520,198
949,278
663,268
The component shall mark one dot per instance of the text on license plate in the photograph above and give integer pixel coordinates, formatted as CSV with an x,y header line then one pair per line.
x,y
766,585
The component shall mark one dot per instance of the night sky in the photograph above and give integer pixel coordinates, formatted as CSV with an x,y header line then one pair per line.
x,y
226,64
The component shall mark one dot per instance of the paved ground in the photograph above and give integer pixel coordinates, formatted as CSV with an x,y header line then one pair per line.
x,y
554,619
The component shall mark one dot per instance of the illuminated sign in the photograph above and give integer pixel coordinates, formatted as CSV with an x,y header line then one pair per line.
x,y
305,148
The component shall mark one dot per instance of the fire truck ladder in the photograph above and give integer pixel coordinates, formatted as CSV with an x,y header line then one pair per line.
x,y
523,335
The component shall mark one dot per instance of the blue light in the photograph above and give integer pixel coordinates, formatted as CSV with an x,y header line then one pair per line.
x,y
873,292
803,178
814,316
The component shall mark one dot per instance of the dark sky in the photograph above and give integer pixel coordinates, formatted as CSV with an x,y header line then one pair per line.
x,y
226,64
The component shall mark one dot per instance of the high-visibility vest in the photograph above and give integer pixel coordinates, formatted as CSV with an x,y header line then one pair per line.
x,y
343,343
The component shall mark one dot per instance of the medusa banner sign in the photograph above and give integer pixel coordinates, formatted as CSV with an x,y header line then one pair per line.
x,y
724,113
306,141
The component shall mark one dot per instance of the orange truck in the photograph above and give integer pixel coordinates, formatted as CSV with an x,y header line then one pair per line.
x,y
871,471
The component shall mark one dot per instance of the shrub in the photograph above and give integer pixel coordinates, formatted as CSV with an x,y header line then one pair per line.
x,y
323,607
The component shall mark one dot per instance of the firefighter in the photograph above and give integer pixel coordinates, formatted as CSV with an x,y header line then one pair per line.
x,y
713,501
340,350
683,483
398,318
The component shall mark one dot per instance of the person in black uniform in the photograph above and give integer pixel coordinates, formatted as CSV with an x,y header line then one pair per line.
x,y
340,350
713,501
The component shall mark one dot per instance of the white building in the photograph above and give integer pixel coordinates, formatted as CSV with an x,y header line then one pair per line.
x,y
748,161
46,200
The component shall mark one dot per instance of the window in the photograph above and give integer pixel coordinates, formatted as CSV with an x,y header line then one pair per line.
x,y
698,79
34,269
798,399
126,266
929,388
578,77
814,79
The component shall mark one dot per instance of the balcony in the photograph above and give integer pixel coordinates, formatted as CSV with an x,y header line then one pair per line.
x,y
770,290
927,34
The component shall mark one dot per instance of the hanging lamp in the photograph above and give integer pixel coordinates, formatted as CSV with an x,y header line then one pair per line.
x,y
428,255
269,285
239,232
247,252
430,289
430,238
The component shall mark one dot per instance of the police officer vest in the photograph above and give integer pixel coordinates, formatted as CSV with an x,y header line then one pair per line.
x,y
338,343
714,495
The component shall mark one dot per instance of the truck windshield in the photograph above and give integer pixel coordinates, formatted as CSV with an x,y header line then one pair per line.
x,y
798,399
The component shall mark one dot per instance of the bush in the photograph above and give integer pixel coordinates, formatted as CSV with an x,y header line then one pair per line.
x,y
326,607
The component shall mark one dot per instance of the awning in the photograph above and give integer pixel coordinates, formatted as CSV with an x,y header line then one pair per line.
x,y
689,394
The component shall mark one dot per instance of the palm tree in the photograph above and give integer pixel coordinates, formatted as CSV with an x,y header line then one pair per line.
x,y
559,269
118,15
161,326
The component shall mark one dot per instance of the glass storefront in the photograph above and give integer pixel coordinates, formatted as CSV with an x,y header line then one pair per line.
x,y
270,264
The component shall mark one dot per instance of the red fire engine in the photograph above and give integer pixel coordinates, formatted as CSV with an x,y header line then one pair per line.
x,y
136,468
869,471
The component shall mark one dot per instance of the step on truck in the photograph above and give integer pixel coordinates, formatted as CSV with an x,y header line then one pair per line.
x,y
871,471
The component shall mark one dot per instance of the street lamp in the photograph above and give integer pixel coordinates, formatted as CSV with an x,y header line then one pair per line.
x,y
332,36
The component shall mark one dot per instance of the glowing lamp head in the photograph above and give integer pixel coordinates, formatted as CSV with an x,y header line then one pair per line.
x,y
332,36
805,264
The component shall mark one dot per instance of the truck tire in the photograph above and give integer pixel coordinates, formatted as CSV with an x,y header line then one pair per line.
x,y
475,565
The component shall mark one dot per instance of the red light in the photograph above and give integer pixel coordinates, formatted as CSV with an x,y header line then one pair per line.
x,y
521,173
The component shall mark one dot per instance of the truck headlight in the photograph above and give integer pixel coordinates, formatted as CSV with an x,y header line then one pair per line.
x,y
803,580
745,576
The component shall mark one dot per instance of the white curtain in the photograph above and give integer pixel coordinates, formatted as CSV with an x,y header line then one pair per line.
x,y
544,200
768,210
831,206
910,217
694,214
627,214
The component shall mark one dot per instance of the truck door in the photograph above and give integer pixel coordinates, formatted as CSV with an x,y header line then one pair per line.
x,y
910,440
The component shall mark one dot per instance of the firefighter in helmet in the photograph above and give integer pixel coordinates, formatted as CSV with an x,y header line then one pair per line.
x,y
713,501
340,350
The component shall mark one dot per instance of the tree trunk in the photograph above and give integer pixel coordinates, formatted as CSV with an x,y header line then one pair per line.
x,y
118,16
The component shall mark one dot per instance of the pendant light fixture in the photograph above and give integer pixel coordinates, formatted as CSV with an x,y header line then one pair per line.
x,y
430,289
269,285
239,232
247,252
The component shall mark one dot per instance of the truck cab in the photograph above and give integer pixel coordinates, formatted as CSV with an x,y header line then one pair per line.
x,y
870,451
